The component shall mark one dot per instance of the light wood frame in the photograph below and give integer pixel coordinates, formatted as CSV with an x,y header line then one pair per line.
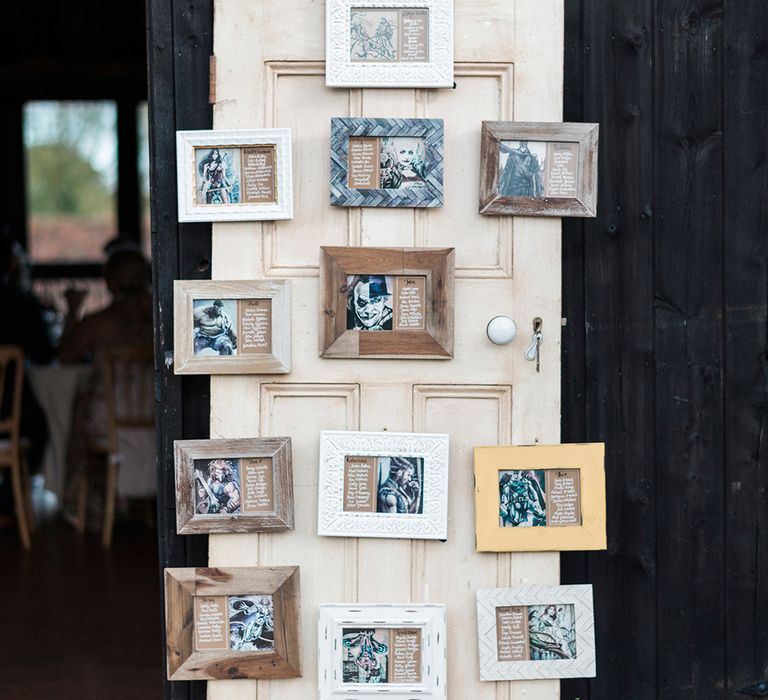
x,y
430,619
489,599
341,71
183,585
276,362
585,202
188,141
334,521
277,449
588,458
435,342
344,128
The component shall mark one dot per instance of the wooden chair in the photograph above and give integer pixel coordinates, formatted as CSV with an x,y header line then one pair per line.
x,y
127,379
12,454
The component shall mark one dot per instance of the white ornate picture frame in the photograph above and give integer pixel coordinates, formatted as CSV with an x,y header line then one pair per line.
x,y
535,632
415,48
383,485
415,634
250,178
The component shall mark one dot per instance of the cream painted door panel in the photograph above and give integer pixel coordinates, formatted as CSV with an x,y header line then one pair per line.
x,y
270,73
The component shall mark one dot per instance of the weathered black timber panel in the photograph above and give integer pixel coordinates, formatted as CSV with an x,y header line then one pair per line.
x,y
180,42
745,266
666,295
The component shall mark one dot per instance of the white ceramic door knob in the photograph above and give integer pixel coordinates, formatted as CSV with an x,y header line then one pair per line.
x,y
501,330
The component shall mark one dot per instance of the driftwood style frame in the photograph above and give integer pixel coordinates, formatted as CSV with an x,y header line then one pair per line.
x,y
429,619
188,141
434,342
342,71
278,361
588,458
344,128
277,450
183,585
333,520
584,204
489,599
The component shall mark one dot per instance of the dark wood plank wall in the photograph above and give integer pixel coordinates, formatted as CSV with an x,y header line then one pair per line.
x,y
180,42
665,349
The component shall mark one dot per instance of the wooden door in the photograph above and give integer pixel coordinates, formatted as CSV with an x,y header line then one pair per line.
x,y
269,59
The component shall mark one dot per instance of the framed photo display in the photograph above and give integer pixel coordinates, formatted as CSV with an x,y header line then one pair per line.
x,y
370,651
540,498
538,169
383,485
389,43
386,162
242,175
243,485
535,632
235,622
232,327
386,303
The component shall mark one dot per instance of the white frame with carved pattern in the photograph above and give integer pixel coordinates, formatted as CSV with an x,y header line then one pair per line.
x,y
430,619
333,520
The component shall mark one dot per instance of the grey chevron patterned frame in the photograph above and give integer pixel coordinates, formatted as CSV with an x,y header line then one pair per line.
x,y
431,130
580,596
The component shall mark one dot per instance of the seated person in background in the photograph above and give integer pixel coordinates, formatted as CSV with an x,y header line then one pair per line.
x,y
24,325
126,321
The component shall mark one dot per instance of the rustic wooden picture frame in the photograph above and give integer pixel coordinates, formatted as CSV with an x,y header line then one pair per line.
x,y
430,523
588,458
428,619
279,482
187,142
183,586
434,72
489,600
277,361
429,194
584,136
433,342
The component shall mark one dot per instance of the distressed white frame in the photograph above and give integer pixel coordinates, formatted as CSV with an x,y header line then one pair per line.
x,y
429,618
341,71
580,596
187,141
333,520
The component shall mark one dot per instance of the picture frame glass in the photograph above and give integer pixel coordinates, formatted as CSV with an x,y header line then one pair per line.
x,y
235,174
389,35
381,655
539,497
232,486
385,485
231,327
386,302
388,162
543,632
239,623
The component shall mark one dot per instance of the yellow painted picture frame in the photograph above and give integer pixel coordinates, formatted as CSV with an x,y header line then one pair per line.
x,y
588,458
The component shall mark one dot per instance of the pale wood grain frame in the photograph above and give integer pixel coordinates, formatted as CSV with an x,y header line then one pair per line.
x,y
277,449
183,585
276,362
341,71
588,458
334,521
433,343
188,141
585,135
580,596
430,619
